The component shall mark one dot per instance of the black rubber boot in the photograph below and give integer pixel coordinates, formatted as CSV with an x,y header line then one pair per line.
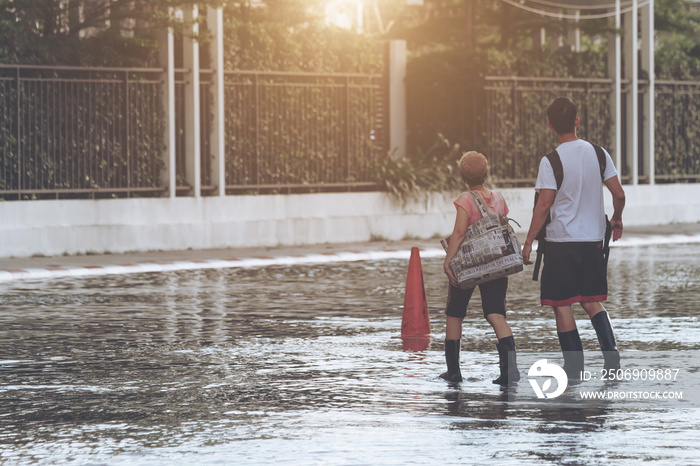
x,y
507,361
606,338
572,349
453,373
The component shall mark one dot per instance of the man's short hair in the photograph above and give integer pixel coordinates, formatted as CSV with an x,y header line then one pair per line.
x,y
562,115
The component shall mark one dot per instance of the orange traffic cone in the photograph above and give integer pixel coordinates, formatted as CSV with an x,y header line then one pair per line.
x,y
415,344
416,320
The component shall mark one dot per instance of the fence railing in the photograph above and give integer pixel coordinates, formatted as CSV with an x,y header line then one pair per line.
x,y
677,136
67,131
288,131
99,132
506,118
516,133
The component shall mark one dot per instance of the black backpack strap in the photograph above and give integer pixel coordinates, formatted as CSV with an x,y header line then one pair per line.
x,y
606,240
555,162
538,260
602,162
558,170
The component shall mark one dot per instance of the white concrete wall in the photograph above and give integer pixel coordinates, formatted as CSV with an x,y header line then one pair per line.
x,y
119,225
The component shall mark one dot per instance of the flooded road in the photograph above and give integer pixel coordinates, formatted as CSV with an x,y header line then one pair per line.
x,y
302,365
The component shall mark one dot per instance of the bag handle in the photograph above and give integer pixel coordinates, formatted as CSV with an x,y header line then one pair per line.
x,y
482,208
480,204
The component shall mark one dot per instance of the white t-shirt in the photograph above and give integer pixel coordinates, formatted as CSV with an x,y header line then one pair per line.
x,y
578,213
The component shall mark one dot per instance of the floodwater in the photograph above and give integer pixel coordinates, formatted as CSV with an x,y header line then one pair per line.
x,y
302,365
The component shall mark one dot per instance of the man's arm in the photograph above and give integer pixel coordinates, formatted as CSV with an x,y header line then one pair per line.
x,y
539,216
618,198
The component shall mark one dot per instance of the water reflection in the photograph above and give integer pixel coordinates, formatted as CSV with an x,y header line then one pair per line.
x,y
264,365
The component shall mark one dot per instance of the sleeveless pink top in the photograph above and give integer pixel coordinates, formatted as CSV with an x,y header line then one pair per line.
x,y
496,204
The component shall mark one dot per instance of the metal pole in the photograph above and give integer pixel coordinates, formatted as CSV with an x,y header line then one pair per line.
x,y
257,128
19,135
347,128
192,105
618,88
651,127
90,131
635,93
216,25
586,119
167,61
474,143
129,163
515,126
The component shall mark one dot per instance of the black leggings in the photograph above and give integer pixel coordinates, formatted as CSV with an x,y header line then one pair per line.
x,y
493,298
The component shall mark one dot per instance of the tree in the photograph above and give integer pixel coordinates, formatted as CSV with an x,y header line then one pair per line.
x,y
281,35
478,37
85,32
292,35
677,28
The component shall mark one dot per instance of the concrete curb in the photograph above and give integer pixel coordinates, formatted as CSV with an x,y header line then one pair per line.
x,y
232,262
264,261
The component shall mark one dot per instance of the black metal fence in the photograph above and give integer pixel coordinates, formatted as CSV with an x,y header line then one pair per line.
x,y
677,136
68,131
516,131
505,117
76,132
291,131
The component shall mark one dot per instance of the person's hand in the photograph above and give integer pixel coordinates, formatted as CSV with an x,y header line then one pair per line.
x,y
450,275
527,249
616,226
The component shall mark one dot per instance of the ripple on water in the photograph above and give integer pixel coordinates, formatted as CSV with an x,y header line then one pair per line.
x,y
301,364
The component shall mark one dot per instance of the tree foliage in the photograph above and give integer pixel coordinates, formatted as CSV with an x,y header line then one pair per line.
x,y
486,37
85,32
282,35
291,35
448,41
457,37
454,44
677,25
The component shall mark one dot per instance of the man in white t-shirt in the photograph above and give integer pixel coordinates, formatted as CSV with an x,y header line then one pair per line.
x,y
575,270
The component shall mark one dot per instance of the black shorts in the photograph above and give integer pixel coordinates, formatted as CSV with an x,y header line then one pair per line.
x,y
493,298
573,273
